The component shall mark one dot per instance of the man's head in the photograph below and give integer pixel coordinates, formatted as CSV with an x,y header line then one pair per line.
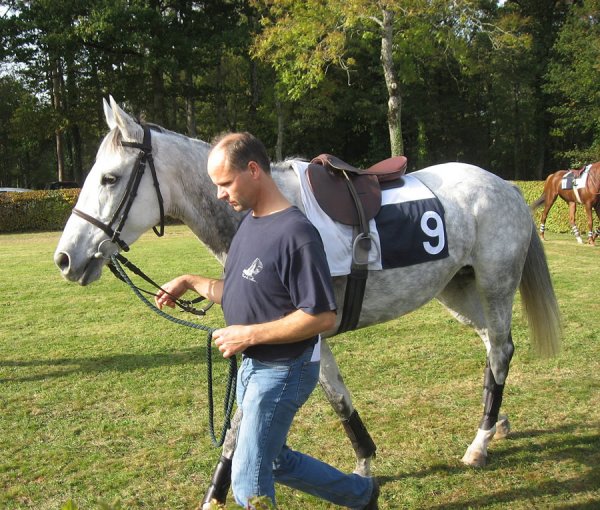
x,y
235,165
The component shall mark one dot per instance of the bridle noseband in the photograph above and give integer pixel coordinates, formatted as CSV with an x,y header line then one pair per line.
x,y
122,212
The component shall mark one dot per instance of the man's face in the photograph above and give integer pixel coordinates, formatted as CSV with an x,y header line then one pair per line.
x,y
233,186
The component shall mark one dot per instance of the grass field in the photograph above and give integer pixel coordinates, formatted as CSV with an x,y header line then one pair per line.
x,y
104,401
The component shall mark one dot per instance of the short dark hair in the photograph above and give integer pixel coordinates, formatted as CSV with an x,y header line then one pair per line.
x,y
241,148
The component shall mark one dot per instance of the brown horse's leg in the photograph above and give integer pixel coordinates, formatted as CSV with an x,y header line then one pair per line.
x,y
548,203
590,222
597,209
572,221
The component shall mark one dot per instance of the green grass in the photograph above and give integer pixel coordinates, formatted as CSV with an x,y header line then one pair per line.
x,y
104,401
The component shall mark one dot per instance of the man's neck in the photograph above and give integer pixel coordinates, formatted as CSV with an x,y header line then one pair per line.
x,y
270,202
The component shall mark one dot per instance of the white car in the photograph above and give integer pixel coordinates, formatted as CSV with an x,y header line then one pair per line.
x,y
14,190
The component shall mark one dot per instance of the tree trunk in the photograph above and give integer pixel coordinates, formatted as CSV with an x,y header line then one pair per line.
x,y
190,104
158,94
280,129
393,88
57,103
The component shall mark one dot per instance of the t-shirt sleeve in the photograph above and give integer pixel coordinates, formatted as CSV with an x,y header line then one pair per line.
x,y
309,280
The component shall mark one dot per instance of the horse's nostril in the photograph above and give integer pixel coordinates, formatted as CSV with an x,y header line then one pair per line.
x,y
63,261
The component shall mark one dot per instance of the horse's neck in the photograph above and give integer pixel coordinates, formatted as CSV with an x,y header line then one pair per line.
x,y
193,197
287,181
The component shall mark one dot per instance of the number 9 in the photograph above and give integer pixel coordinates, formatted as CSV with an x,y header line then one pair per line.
x,y
436,232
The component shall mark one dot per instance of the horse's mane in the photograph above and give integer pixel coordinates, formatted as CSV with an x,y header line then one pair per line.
x,y
112,141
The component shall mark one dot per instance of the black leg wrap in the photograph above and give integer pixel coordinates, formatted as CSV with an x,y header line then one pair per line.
x,y
219,485
492,391
492,399
363,444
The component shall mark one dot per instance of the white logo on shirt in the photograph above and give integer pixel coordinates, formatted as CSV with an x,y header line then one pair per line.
x,y
250,272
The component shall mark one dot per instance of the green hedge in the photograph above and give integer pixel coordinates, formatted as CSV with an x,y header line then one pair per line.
x,y
36,210
49,210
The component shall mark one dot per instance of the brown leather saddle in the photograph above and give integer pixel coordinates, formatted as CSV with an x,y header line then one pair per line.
x,y
329,176
352,196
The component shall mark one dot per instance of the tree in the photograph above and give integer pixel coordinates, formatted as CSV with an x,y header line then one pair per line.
x,y
573,78
302,39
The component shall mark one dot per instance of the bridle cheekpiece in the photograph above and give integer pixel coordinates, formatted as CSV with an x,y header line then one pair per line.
x,y
122,212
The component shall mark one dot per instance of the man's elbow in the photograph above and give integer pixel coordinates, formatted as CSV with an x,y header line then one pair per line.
x,y
328,321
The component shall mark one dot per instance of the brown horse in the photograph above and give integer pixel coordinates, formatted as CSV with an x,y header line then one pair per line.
x,y
589,196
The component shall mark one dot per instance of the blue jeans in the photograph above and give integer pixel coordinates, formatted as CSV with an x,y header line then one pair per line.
x,y
270,394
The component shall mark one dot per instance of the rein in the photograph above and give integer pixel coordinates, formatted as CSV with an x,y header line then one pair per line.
x,y
184,304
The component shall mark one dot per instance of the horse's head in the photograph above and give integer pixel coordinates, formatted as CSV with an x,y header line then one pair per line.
x,y
118,201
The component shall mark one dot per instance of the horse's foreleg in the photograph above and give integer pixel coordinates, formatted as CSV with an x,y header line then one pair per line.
x,y
338,396
573,222
492,424
221,478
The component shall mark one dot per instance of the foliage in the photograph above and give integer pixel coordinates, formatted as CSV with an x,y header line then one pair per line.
x,y
476,81
36,210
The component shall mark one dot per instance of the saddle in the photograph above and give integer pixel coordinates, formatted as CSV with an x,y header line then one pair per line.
x,y
332,180
352,196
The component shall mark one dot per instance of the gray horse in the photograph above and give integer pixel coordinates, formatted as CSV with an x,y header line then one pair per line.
x,y
493,250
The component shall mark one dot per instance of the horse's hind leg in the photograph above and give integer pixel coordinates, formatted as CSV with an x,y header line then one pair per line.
x,y
590,222
597,232
491,425
550,198
464,301
338,396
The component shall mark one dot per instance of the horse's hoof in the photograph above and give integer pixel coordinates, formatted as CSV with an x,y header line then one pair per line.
x,y
502,427
474,459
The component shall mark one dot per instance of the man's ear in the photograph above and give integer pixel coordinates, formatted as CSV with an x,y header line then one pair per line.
x,y
255,169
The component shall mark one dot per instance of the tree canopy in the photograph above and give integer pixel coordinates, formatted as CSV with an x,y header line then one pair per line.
x,y
511,87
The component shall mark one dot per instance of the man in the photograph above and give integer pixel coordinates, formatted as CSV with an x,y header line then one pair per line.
x,y
277,298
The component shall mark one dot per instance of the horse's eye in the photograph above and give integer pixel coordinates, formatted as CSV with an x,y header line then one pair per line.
x,y
109,179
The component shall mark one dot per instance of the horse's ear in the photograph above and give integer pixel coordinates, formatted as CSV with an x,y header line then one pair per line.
x,y
109,115
129,128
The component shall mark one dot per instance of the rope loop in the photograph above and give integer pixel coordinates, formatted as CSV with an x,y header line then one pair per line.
x,y
230,389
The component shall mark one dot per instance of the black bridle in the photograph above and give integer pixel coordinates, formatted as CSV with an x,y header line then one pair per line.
x,y
122,212
120,217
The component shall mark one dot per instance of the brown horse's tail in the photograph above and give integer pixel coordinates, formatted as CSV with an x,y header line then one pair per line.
x,y
538,202
539,300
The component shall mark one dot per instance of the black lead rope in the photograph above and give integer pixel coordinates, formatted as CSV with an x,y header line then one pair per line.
x,y
229,399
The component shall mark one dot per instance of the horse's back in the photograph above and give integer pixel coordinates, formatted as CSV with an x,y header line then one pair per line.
x,y
476,195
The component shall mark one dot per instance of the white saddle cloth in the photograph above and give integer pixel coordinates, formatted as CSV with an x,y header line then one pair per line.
x,y
337,238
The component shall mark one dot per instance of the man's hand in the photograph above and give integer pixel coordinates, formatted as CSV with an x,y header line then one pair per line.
x,y
232,339
171,291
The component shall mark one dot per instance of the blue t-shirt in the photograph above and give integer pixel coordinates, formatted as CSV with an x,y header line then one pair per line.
x,y
275,266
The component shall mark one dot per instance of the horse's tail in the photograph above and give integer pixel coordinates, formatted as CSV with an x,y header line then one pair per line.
x,y
538,202
539,300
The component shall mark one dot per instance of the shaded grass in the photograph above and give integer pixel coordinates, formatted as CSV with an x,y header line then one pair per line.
x,y
104,401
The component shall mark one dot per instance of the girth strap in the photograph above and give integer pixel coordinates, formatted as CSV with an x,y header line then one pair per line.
x,y
356,281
